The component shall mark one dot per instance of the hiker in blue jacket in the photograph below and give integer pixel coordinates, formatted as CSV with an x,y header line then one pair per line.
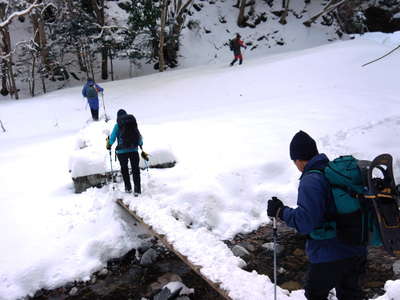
x,y
91,91
129,139
333,264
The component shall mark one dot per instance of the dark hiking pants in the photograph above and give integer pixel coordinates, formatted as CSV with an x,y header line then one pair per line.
x,y
343,275
236,58
133,157
95,114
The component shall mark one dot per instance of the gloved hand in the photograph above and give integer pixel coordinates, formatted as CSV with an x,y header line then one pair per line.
x,y
144,155
108,146
275,208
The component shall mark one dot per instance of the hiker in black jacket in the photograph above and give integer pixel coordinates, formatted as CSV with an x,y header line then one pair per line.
x,y
236,44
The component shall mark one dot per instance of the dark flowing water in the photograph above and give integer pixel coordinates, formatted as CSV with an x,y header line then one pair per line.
x,y
127,279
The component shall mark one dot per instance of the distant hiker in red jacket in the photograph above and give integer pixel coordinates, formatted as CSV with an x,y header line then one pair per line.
x,y
235,45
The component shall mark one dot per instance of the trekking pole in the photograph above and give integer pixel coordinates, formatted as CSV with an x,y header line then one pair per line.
x,y
275,236
104,108
112,173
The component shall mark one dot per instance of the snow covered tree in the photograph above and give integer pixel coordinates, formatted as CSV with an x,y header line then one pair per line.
x,y
330,6
178,11
164,7
73,35
146,18
9,10
241,18
97,7
285,11
142,35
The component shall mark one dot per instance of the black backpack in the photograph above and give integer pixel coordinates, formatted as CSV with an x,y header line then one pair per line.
x,y
129,135
232,45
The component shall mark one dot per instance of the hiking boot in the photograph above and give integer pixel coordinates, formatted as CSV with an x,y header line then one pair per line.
x,y
136,194
128,191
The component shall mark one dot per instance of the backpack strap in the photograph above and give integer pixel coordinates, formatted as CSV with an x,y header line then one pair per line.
x,y
328,228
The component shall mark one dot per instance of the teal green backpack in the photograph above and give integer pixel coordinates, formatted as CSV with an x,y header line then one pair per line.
x,y
91,92
354,222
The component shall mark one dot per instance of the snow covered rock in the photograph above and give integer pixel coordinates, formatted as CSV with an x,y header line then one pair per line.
x,y
172,290
240,252
396,267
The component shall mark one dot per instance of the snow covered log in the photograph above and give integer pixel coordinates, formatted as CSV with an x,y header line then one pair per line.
x,y
91,165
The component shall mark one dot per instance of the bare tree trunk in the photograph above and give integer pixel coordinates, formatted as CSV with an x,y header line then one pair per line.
x,y
7,51
84,60
241,19
180,16
285,7
40,39
111,65
99,11
104,63
161,61
4,88
33,75
333,4
80,60
44,85
13,86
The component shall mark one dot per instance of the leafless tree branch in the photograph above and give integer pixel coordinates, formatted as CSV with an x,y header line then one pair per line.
x,y
390,52
19,13
2,127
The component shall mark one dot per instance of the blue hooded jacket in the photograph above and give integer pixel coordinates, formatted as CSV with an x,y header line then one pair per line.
x,y
313,204
93,102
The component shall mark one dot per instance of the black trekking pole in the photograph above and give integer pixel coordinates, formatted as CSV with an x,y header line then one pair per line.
x,y
112,173
275,236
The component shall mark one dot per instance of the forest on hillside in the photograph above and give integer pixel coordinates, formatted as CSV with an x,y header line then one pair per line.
x,y
78,37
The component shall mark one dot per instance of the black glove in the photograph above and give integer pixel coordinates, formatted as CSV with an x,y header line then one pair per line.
x,y
108,146
275,208
145,156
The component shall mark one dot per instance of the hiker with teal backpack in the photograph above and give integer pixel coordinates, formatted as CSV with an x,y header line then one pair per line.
x,y
334,262
91,91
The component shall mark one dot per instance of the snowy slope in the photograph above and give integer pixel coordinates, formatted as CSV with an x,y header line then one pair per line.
x,y
228,127
207,43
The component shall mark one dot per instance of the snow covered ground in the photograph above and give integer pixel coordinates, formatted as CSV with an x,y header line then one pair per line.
x,y
229,129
